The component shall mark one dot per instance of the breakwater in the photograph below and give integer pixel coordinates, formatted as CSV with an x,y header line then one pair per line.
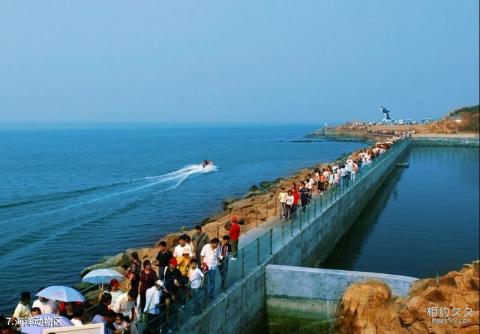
x,y
108,193
293,243
445,140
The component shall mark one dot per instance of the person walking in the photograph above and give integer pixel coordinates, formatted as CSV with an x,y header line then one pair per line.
x,y
183,248
296,198
195,280
282,197
126,305
316,179
183,253
199,239
147,280
173,282
152,303
115,290
163,257
288,204
133,272
225,249
304,197
210,256
234,234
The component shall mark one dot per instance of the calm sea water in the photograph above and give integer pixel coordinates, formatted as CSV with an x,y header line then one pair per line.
x,y
69,197
423,221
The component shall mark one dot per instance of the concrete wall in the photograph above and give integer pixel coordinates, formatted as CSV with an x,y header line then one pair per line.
x,y
232,311
321,237
313,293
446,141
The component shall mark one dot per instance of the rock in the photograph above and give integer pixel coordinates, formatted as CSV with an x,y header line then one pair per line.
x,y
92,296
434,295
364,308
265,184
449,279
103,259
474,283
475,329
205,221
227,201
252,193
360,310
119,260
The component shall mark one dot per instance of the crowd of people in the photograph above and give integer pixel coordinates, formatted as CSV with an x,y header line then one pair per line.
x,y
153,286
329,178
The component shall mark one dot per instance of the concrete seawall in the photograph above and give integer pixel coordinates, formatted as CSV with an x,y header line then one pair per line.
x,y
445,140
317,291
235,309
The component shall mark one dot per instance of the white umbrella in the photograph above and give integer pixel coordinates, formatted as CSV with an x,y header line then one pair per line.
x,y
41,321
100,276
61,293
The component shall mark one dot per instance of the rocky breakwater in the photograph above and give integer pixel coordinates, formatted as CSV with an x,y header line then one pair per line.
x,y
443,305
256,207
259,205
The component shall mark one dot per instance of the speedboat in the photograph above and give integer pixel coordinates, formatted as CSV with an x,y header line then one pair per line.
x,y
206,163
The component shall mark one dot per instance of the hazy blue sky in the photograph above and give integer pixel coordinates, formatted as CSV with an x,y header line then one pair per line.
x,y
249,61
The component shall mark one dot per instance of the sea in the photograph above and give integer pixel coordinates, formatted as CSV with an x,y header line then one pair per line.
x,y
423,221
70,196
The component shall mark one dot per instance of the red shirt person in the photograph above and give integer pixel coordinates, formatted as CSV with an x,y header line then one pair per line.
x,y
296,196
234,233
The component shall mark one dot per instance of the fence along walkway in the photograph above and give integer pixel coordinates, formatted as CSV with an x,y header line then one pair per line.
x,y
259,244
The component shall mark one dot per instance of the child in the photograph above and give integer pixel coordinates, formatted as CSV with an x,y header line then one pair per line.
x,y
195,279
121,326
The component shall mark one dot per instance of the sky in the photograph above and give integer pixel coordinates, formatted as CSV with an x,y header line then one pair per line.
x,y
236,61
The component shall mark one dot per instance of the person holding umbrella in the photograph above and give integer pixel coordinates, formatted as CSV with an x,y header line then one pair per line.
x,y
113,289
104,304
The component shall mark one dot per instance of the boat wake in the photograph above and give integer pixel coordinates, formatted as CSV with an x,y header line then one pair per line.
x,y
52,215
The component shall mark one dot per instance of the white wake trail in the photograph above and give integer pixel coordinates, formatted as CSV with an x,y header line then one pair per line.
x,y
179,175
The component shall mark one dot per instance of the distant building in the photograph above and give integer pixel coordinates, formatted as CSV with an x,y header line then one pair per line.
x,y
456,118
426,120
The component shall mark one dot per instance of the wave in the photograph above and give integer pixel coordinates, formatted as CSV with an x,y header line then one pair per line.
x,y
76,192
70,225
62,195
154,180
111,203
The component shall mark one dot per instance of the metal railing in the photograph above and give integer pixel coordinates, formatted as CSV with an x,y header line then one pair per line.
x,y
258,251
